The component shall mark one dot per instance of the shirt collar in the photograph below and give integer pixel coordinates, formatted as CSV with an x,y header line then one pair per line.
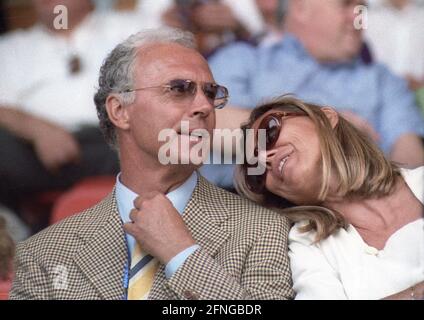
x,y
290,42
178,197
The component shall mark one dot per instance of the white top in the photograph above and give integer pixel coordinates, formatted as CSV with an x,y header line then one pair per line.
x,y
34,66
343,266
396,38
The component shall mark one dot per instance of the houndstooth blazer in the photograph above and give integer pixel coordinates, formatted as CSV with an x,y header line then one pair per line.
x,y
243,254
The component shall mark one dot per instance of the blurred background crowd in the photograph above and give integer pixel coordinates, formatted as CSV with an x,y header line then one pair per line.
x,y
53,159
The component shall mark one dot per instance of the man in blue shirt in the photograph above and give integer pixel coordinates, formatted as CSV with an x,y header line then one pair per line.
x,y
318,60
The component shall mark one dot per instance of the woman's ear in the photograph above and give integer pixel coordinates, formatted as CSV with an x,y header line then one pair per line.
x,y
117,113
332,115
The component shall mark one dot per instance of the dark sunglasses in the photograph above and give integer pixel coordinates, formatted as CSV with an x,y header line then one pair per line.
x,y
184,89
272,124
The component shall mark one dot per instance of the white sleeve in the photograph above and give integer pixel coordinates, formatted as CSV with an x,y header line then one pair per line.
x,y
313,276
11,73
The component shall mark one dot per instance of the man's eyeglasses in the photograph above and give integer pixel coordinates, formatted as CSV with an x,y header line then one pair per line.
x,y
182,89
272,124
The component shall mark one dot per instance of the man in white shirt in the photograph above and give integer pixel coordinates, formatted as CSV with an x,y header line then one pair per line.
x,y
395,35
48,126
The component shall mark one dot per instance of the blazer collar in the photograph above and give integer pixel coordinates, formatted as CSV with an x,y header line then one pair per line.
x,y
205,214
103,257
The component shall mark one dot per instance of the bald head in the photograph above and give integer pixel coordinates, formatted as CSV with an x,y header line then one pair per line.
x,y
326,28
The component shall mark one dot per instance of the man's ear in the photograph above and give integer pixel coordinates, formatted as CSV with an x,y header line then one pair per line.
x,y
117,112
332,115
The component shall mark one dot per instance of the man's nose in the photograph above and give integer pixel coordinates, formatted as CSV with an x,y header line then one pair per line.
x,y
201,105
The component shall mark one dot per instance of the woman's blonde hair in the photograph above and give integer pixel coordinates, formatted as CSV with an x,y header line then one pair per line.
x,y
358,165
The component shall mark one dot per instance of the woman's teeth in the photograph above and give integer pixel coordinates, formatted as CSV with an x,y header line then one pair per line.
x,y
194,138
282,163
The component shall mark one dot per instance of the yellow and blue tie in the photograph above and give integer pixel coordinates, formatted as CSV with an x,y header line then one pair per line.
x,y
142,273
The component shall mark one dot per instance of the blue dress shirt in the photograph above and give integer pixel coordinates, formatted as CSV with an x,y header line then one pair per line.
x,y
179,198
254,74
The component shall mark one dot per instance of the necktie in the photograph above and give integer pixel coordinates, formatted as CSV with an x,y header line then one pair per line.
x,y
142,272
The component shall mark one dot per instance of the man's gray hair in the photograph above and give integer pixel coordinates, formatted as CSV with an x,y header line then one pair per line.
x,y
117,71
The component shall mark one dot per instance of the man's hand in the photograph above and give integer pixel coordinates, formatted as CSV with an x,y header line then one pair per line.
x,y
55,147
361,124
172,18
158,227
208,17
215,17
414,83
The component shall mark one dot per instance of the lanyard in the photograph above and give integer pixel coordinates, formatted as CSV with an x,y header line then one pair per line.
x,y
126,278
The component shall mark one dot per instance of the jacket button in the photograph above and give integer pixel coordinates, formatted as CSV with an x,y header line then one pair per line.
x,y
371,250
191,295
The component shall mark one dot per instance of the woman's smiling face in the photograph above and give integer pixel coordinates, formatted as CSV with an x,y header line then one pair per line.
x,y
294,162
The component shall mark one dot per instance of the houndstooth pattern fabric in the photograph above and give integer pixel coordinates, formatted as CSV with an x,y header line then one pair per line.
x,y
243,254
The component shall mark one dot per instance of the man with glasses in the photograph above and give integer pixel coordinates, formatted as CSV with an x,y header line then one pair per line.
x,y
164,232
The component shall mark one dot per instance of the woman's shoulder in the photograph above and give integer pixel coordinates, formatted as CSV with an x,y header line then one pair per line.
x,y
414,178
308,238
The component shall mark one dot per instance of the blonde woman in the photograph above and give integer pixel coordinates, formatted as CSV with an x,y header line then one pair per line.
x,y
359,231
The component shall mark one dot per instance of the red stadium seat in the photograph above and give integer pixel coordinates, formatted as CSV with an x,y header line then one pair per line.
x,y
5,287
83,195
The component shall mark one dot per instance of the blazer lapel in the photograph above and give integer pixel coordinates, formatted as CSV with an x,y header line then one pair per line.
x,y
203,215
103,257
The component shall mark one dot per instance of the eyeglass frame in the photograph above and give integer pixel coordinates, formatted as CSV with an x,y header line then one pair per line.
x,y
169,86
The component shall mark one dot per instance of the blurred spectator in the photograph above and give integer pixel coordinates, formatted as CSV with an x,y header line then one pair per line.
x,y
272,13
7,252
214,22
104,5
16,228
420,99
48,124
318,59
3,24
395,34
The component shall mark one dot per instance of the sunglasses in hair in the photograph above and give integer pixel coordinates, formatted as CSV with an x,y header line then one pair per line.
x,y
183,89
272,124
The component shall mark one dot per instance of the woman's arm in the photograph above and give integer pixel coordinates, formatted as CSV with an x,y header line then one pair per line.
x,y
416,292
